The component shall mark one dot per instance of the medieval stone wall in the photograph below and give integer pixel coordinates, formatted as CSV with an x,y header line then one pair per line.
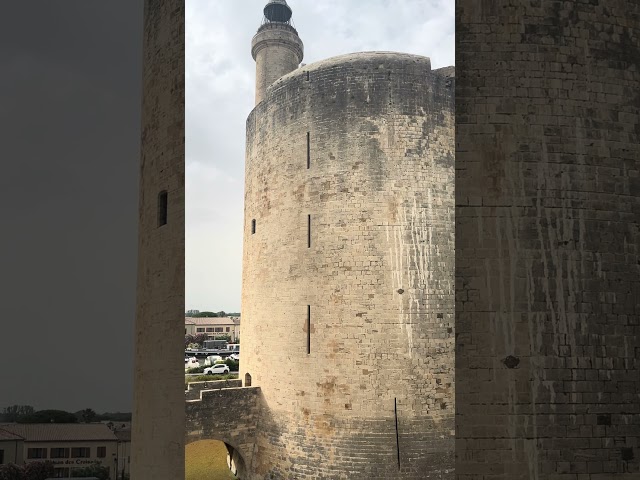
x,y
157,449
227,414
547,240
348,317
193,390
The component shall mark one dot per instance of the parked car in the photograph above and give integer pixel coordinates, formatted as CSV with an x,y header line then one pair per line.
x,y
212,360
220,368
235,357
191,363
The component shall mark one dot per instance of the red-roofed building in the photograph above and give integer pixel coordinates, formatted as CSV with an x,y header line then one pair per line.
x,y
68,446
11,447
213,327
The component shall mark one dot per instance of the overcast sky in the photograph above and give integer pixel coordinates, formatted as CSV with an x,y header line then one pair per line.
x,y
220,75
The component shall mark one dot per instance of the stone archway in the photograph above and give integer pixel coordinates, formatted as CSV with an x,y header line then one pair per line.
x,y
235,462
228,415
212,452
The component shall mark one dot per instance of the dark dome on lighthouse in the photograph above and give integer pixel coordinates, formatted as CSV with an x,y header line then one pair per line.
x,y
277,11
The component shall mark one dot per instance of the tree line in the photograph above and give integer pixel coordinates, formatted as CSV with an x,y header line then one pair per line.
x,y
45,470
28,414
219,314
197,341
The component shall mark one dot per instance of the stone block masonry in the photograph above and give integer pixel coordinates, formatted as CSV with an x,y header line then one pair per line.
x,y
547,240
193,389
348,279
277,50
157,449
230,415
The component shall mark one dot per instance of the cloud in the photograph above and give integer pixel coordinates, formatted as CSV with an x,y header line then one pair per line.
x,y
219,75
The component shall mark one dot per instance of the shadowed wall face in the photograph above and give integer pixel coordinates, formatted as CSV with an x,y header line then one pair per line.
x,y
159,415
348,279
547,238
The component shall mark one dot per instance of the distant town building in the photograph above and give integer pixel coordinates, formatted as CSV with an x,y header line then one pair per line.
x,y
69,446
11,448
213,327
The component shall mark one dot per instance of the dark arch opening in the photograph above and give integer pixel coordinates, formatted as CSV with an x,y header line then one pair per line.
x,y
223,452
235,462
247,380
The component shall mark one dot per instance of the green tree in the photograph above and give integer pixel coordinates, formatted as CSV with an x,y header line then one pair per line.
x,y
205,315
11,471
98,471
88,415
49,416
200,338
115,416
12,413
39,470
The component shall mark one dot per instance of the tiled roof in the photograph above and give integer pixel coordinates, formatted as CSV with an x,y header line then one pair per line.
x,y
60,432
200,321
7,435
123,435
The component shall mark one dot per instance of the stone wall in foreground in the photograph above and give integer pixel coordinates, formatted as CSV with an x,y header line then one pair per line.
x,y
547,240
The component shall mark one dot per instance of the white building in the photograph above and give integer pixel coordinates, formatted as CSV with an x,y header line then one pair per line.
x,y
213,327
69,446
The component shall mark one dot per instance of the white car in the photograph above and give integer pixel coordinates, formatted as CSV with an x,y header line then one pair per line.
x,y
191,363
218,369
235,357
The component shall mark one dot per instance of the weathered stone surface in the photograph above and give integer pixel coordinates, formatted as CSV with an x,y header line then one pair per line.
x,y
277,50
230,415
158,412
377,273
193,390
547,238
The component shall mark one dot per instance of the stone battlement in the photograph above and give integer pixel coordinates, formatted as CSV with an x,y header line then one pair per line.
x,y
194,389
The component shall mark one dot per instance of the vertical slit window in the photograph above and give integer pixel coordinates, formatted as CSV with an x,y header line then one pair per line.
x,y
307,76
395,411
308,150
163,205
308,231
308,329
253,226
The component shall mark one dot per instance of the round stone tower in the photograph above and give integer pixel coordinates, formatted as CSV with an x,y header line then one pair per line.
x,y
347,303
276,47
157,449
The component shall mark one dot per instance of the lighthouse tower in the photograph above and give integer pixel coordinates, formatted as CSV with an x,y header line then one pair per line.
x,y
276,48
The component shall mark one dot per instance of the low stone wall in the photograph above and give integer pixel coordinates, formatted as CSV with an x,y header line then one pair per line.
x,y
193,390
